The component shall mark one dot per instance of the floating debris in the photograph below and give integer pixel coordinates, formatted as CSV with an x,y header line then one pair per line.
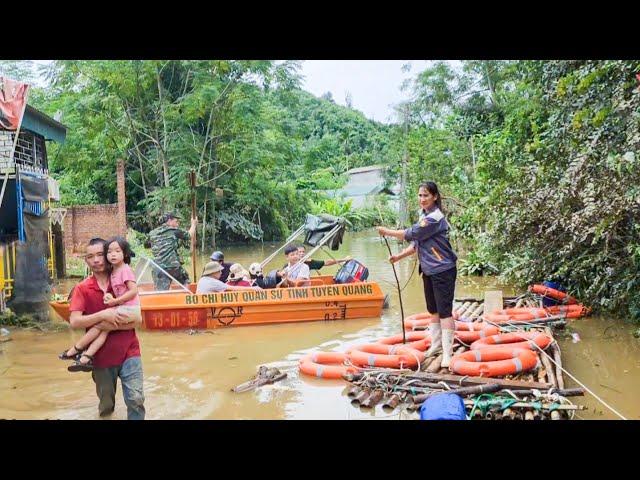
x,y
264,376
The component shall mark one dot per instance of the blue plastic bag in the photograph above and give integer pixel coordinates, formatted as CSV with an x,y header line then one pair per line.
x,y
443,406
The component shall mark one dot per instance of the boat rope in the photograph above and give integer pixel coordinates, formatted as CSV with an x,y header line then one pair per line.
x,y
565,371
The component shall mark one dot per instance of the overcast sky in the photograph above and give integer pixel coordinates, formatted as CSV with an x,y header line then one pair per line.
x,y
374,85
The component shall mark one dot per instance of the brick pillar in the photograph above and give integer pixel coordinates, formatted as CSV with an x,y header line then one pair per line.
x,y
122,199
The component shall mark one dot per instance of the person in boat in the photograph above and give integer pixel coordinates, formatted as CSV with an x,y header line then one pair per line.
x,y
429,237
165,241
257,277
210,280
294,273
120,354
218,256
318,264
238,276
123,282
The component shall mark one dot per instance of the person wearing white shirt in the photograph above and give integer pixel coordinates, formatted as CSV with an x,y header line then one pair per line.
x,y
295,274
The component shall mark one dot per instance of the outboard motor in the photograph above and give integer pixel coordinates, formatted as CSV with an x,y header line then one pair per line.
x,y
352,271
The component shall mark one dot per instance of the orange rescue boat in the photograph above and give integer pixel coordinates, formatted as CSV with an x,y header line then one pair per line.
x,y
323,299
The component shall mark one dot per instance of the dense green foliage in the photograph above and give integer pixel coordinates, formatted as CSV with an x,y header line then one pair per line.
x,y
543,156
261,147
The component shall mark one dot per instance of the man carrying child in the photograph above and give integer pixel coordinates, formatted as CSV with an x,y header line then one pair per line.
x,y
119,356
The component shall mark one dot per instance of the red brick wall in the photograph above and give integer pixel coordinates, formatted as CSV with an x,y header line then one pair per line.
x,y
85,222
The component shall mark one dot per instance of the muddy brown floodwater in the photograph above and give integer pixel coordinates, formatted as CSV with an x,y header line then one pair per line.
x,y
189,376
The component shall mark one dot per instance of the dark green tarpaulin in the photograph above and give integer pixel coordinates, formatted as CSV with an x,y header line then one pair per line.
x,y
34,189
317,226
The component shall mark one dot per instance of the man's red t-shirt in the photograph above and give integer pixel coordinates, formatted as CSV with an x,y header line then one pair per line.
x,y
120,344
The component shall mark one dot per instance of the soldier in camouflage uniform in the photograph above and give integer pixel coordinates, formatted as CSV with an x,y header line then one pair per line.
x,y
165,241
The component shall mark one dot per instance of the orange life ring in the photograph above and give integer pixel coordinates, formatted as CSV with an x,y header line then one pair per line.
x,y
570,311
514,340
552,293
418,320
472,326
466,332
383,348
494,361
387,356
319,364
470,336
521,314
410,336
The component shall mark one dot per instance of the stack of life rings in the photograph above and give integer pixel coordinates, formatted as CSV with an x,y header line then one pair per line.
x,y
491,354
570,308
390,352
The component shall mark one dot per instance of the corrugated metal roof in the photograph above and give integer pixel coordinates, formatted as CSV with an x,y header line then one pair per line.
x,y
366,169
44,125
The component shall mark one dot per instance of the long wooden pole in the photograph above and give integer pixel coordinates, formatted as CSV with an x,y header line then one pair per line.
x,y
404,337
192,183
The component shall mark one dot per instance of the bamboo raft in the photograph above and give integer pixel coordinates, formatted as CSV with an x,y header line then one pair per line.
x,y
535,395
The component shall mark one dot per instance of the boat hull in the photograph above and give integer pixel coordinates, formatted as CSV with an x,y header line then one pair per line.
x,y
180,310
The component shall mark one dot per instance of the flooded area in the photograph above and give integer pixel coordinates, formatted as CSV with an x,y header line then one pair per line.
x,y
189,375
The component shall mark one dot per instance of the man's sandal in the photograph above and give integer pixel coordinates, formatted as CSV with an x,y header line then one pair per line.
x,y
64,356
78,366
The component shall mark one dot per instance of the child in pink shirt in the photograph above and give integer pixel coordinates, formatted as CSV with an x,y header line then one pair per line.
x,y
126,301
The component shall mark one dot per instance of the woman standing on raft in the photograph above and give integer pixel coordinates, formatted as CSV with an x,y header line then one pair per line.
x,y
429,238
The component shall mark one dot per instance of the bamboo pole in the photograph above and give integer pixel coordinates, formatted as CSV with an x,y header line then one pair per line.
x,y
192,184
567,392
361,397
373,399
508,414
463,392
477,312
467,309
465,380
550,370
493,415
463,307
392,402
545,406
353,391
558,359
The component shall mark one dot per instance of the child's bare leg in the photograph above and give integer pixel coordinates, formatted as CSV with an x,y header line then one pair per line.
x,y
86,339
94,347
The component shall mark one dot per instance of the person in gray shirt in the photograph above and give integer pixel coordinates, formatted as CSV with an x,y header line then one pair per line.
x,y
430,240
